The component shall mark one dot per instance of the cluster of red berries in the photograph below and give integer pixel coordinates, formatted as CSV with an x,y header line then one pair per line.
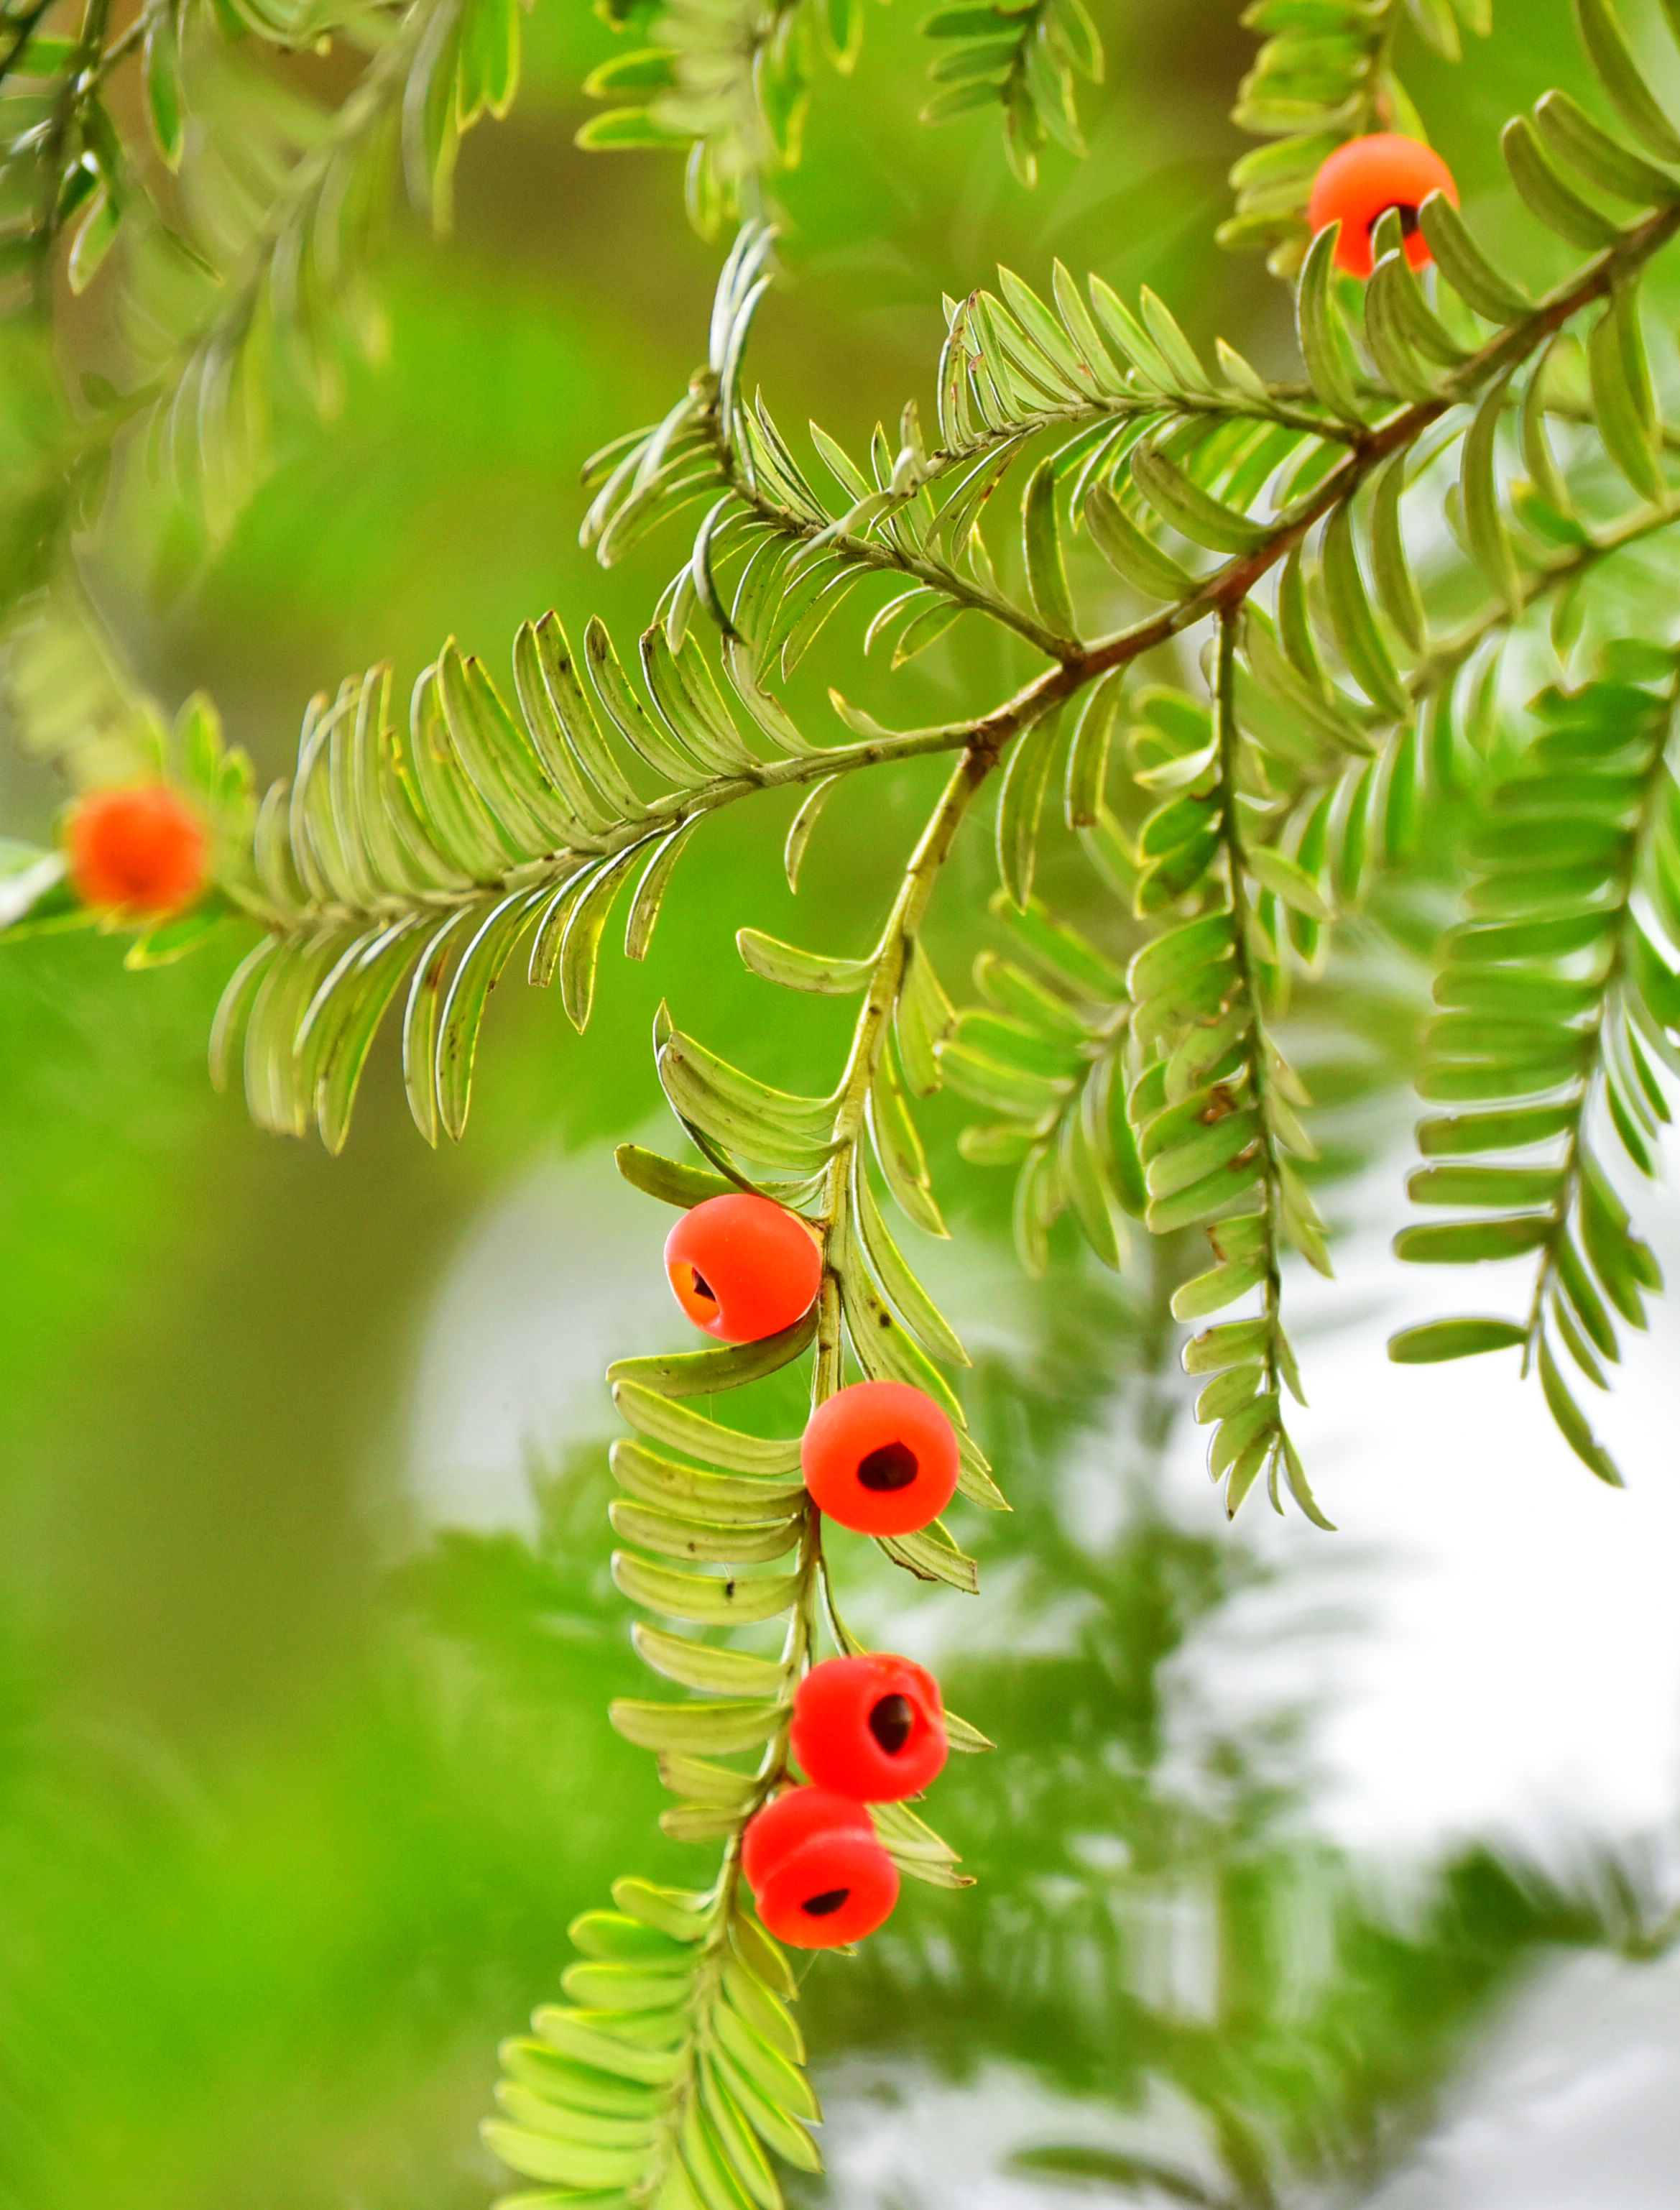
x,y
1362,181
867,1729
140,850
879,1458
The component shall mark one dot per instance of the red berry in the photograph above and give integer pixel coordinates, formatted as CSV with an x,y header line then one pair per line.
x,y
881,1458
818,1876
742,1267
794,1818
140,850
871,1727
1365,177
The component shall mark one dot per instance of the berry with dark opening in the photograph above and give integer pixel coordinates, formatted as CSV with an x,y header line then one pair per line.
x,y
743,1268
818,1875
873,1727
881,1458
141,850
1362,180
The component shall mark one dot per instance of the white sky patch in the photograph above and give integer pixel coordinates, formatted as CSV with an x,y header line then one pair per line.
x,y
1515,1664
896,2138
560,1276
1573,2105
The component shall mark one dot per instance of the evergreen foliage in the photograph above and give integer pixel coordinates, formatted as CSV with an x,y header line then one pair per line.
x,y
1356,673
730,79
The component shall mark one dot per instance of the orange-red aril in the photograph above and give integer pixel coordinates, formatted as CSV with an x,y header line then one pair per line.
x,y
872,1727
140,850
819,1876
1363,179
743,1268
881,1458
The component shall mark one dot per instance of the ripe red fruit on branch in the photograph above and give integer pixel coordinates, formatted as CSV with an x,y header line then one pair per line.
x,y
872,1727
818,1875
743,1268
140,850
1365,177
881,1458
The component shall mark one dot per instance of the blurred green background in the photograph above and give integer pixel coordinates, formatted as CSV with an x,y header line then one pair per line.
x,y
299,1788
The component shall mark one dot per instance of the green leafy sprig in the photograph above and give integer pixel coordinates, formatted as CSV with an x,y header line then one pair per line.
x,y
275,294
1026,59
1213,1102
1556,998
1045,1049
727,80
680,1994
238,271
423,858
1159,451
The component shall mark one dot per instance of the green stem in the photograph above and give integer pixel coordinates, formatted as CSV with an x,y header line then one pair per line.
x,y
903,924
1376,113
659,818
891,559
868,1038
811,1594
22,28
